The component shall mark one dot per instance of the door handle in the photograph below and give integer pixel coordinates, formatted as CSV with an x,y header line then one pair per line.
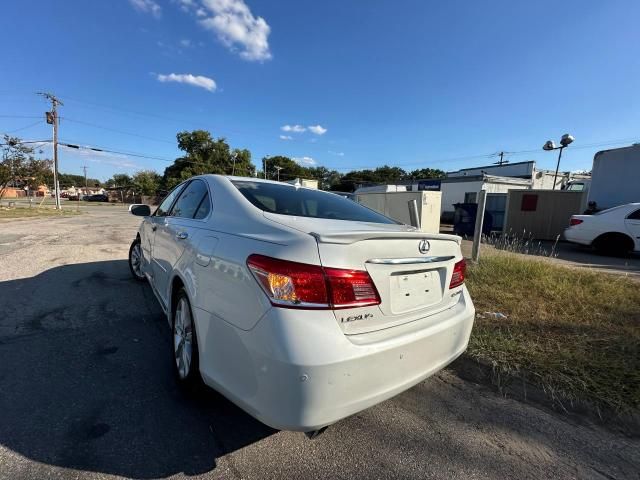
x,y
181,235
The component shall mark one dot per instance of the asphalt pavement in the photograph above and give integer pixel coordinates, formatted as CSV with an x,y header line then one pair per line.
x,y
86,391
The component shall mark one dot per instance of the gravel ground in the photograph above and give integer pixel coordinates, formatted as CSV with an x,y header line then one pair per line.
x,y
87,392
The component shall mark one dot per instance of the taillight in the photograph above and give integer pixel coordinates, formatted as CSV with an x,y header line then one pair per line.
x,y
350,288
575,221
298,285
459,269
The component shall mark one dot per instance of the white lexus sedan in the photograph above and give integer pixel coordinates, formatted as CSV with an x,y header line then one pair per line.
x,y
615,231
300,306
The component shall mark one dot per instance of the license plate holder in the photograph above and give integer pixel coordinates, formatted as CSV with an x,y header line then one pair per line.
x,y
414,290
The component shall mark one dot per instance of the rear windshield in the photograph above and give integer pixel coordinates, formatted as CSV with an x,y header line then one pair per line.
x,y
305,202
612,209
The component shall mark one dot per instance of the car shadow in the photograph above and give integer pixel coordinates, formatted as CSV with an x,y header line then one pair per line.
x,y
87,384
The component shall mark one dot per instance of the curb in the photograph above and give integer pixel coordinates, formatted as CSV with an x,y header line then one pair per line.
x,y
517,386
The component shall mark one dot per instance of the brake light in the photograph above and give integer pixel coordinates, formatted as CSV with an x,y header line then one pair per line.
x,y
350,288
299,285
575,221
457,278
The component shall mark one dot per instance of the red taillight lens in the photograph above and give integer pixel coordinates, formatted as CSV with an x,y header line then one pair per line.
x,y
459,269
290,283
350,288
298,285
575,221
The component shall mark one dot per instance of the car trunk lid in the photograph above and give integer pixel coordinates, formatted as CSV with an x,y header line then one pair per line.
x,y
411,270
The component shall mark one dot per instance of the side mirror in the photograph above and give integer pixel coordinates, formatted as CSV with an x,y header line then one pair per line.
x,y
140,210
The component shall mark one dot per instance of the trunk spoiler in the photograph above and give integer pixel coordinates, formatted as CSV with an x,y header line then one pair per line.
x,y
349,237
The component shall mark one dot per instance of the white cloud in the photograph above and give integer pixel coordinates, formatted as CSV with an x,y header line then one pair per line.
x,y
236,27
317,129
195,80
201,12
337,154
293,128
147,6
286,137
185,42
308,161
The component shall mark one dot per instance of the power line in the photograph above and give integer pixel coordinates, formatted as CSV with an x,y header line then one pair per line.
x,y
89,124
20,116
25,127
24,142
117,152
130,112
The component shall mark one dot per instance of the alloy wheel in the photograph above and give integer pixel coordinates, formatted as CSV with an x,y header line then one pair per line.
x,y
136,260
183,338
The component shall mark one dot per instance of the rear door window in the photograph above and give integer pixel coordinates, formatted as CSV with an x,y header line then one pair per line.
x,y
634,215
204,208
165,205
190,200
285,199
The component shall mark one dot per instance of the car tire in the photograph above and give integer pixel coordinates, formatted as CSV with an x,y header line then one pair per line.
x,y
185,358
135,260
614,244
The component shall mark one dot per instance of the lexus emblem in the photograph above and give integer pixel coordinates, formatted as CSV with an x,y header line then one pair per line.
x,y
424,246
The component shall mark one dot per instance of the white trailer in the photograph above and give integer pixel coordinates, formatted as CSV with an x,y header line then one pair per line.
x,y
615,177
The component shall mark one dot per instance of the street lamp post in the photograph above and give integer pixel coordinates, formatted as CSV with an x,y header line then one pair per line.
x,y
565,141
278,168
233,172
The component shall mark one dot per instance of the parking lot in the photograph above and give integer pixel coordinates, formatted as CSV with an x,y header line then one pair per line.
x,y
87,391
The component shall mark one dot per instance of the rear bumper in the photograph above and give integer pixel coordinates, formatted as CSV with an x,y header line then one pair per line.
x,y
571,235
300,372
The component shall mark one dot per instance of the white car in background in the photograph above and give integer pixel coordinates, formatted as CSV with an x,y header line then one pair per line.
x,y
613,231
300,306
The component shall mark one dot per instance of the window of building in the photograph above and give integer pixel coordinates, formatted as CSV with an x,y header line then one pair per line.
x,y
470,197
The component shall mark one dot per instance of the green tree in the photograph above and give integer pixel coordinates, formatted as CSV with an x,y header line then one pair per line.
x,y
67,180
147,182
20,168
119,180
424,173
356,178
289,169
204,154
387,174
327,179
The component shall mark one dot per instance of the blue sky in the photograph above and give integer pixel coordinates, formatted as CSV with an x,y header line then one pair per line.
x,y
411,83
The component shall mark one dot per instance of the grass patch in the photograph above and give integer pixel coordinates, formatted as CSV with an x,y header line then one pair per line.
x,y
575,333
34,212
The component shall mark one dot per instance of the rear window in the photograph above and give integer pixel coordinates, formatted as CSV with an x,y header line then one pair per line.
x,y
608,210
304,202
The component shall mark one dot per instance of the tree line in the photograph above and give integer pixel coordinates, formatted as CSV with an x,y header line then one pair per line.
x,y
201,153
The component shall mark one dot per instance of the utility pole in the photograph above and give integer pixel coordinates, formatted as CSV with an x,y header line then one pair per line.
x,y
84,168
502,161
264,166
52,118
278,168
